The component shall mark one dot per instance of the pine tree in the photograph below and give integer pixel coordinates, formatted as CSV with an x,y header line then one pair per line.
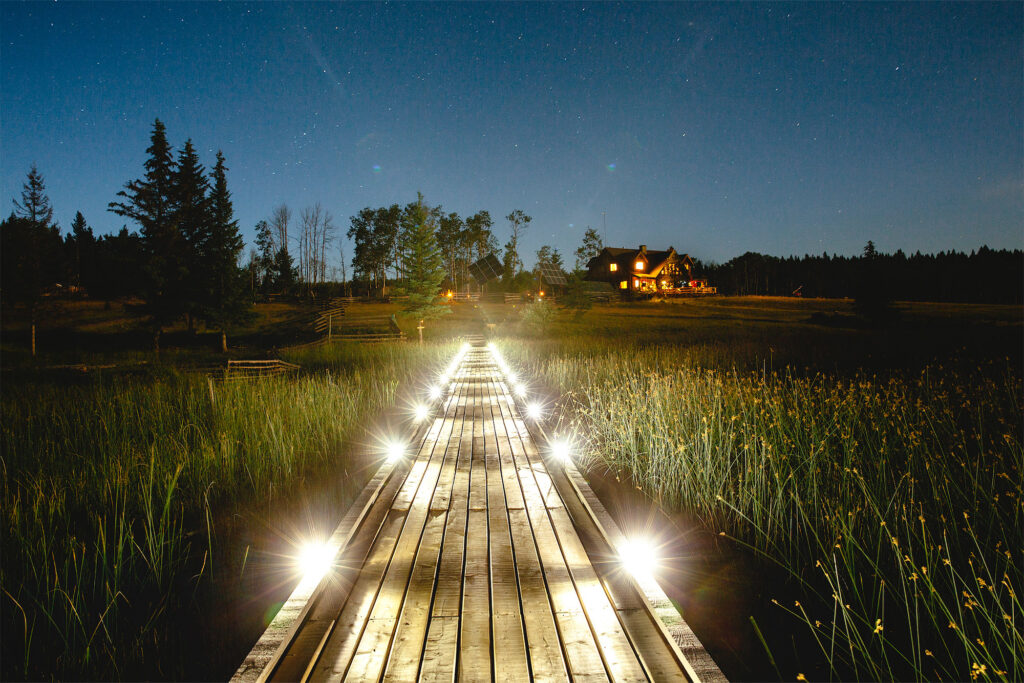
x,y
31,249
81,245
424,265
148,201
265,257
35,204
193,215
224,302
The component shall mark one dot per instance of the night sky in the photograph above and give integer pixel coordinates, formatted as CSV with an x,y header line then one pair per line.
x,y
715,128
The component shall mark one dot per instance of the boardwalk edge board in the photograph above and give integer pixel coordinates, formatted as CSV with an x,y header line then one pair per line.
x,y
550,570
699,664
265,655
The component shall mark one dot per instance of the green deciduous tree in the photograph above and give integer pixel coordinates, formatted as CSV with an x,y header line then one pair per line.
x,y
590,248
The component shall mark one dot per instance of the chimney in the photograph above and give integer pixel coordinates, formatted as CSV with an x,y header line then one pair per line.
x,y
643,248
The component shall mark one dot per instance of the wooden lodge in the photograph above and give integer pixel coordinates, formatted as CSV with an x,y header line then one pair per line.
x,y
644,272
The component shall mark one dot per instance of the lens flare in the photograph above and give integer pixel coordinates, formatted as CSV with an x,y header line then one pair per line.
x,y
314,561
520,391
435,393
421,412
534,411
395,450
561,450
639,557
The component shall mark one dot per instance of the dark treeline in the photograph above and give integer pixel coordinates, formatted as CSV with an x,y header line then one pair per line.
x,y
983,276
183,263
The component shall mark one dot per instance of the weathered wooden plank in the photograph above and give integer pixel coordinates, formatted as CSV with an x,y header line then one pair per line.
x,y
440,652
615,646
411,631
337,653
475,641
373,649
508,638
543,642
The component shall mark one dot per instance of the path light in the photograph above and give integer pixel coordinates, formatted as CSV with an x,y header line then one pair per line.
x,y
561,450
639,557
395,450
435,393
534,411
314,561
511,376
421,412
443,380
520,391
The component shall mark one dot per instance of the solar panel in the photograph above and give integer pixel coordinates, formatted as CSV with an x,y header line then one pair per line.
x,y
552,274
486,269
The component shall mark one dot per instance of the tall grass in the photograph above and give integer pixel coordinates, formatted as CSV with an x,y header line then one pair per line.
x,y
110,489
894,499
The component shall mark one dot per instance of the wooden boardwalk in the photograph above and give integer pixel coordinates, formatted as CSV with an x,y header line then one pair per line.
x,y
475,558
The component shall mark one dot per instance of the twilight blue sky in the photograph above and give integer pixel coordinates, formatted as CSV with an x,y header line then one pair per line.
x,y
716,128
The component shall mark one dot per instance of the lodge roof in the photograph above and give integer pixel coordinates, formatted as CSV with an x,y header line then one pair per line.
x,y
625,257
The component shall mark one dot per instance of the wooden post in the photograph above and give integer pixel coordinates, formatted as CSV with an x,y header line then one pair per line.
x,y
330,321
420,328
34,339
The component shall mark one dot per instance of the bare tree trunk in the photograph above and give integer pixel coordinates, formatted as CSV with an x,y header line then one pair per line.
x,y
223,341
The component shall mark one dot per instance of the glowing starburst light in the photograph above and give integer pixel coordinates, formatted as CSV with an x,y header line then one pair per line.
x,y
520,391
314,561
510,376
420,412
639,557
534,411
561,450
435,393
395,450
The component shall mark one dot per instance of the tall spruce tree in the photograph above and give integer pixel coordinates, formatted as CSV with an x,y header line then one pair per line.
x,y
424,265
35,204
31,249
193,214
148,201
224,301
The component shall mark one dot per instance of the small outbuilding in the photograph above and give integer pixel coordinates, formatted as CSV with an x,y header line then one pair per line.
x,y
642,271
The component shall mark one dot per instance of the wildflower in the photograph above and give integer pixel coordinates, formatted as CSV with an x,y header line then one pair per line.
x,y
952,625
928,653
977,670
878,626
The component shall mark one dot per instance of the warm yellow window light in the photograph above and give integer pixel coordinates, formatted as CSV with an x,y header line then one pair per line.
x,y
613,267
623,285
639,265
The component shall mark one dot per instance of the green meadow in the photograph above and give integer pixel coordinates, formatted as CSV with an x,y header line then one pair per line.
x,y
877,469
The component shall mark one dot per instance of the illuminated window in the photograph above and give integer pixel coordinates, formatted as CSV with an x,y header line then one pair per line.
x,y
639,265
613,267
636,283
623,284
